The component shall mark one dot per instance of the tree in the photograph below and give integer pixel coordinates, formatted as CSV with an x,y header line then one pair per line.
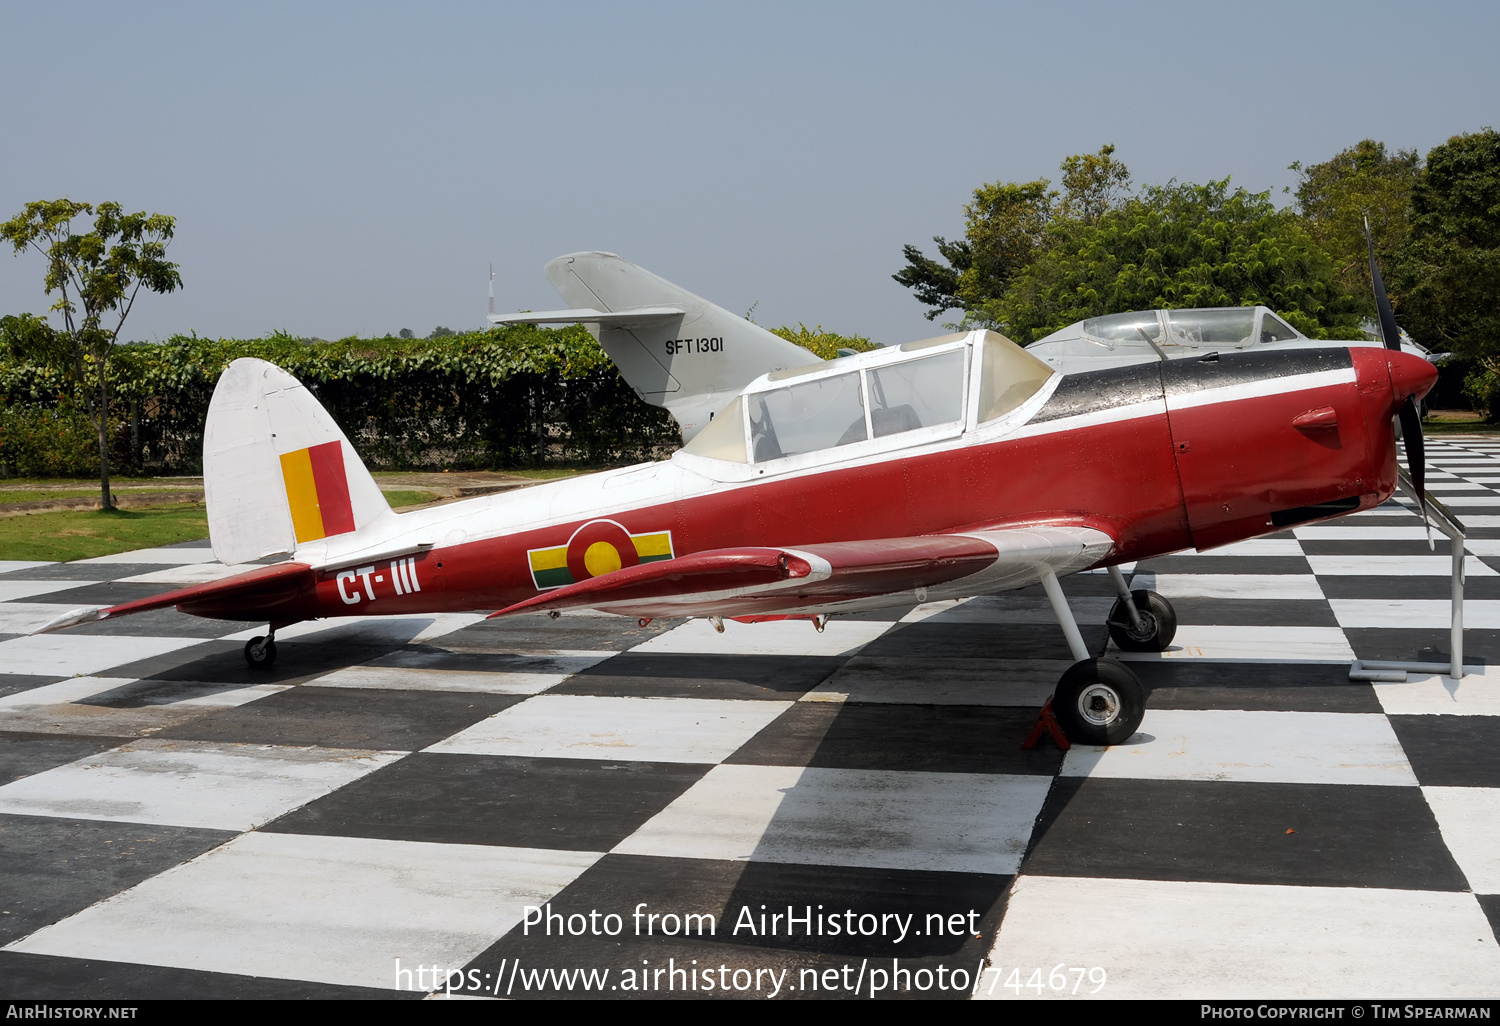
x,y
1033,260
1005,228
1175,245
1336,196
1446,277
96,276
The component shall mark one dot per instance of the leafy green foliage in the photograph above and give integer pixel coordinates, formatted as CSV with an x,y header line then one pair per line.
x,y
1336,196
96,277
1033,260
824,344
511,397
1175,246
1446,278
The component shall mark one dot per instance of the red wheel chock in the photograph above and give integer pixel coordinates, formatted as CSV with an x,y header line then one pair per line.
x,y
1046,721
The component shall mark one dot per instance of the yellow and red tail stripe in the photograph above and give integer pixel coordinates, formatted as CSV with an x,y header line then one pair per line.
x,y
317,492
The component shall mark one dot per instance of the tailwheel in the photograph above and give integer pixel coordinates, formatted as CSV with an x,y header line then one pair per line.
x,y
260,651
1099,702
1152,628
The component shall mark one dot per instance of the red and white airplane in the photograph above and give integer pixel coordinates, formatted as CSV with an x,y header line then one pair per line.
x,y
951,467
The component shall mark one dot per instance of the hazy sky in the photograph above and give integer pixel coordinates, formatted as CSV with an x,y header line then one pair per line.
x,y
353,168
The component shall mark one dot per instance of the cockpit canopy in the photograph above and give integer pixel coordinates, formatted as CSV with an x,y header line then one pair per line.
x,y
918,392
1219,327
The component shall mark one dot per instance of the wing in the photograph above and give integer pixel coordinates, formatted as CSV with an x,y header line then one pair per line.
x,y
760,581
255,595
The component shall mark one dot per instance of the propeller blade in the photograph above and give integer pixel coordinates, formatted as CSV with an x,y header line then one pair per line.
x,y
1411,419
1389,333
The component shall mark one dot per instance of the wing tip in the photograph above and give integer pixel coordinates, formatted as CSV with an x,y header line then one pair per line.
x,y
73,618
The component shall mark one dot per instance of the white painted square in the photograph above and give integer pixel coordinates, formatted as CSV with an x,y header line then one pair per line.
x,y
1431,614
25,617
1252,644
1257,547
1365,532
1474,694
520,674
192,573
636,729
12,590
163,555
1012,607
189,783
1460,502
1469,818
402,628
1181,940
1302,587
1482,546
942,681
1395,566
67,654
1480,520
779,637
12,565
946,822
1273,747
340,910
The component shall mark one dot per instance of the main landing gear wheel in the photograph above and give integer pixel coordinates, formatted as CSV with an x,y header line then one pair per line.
x,y
260,652
1099,702
1158,623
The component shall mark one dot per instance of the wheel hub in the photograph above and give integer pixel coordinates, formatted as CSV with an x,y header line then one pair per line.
x,y
1099,704
1148,626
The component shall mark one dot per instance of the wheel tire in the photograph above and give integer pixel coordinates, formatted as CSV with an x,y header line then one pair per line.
x,y
1099,702
1158,620
260,652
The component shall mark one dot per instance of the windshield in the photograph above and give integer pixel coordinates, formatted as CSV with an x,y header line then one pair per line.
x,y
1124,327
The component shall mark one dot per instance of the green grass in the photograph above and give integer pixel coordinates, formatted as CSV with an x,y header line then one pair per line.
x,y
81,535
32,495
409,497
550,473
1459,427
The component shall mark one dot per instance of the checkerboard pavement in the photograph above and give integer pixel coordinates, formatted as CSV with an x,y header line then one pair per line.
x,y
173,823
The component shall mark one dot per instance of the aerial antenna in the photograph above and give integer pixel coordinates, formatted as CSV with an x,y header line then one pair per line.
x,y
492,288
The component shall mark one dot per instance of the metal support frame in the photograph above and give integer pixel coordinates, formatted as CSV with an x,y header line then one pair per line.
x,y
1118,576
1064,615
1394,671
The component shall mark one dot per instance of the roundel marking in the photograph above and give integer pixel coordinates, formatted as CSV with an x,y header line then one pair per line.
x,y
600,547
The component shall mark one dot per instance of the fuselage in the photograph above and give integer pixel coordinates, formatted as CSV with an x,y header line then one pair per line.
x,y
1160,457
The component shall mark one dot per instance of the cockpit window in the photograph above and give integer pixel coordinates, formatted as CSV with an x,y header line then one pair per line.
x,y
1273,330
1009,376
1124,327
917,393
804,417
1228,327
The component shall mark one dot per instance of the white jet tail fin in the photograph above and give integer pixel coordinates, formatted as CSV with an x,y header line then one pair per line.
x,y
278,473
674,348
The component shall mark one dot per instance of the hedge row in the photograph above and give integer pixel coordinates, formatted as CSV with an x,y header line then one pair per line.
x,y
518,396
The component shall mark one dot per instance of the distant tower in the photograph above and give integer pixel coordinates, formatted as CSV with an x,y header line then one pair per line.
x,y
492,288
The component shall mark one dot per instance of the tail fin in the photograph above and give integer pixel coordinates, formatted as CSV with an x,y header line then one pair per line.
x,y
277,471
674,348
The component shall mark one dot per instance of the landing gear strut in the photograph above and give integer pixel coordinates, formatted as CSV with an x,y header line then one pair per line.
x,y
1140,621
1097,701
260,652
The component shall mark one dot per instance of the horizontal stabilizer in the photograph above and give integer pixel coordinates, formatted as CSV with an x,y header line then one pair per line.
x,y
617,319
263,589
